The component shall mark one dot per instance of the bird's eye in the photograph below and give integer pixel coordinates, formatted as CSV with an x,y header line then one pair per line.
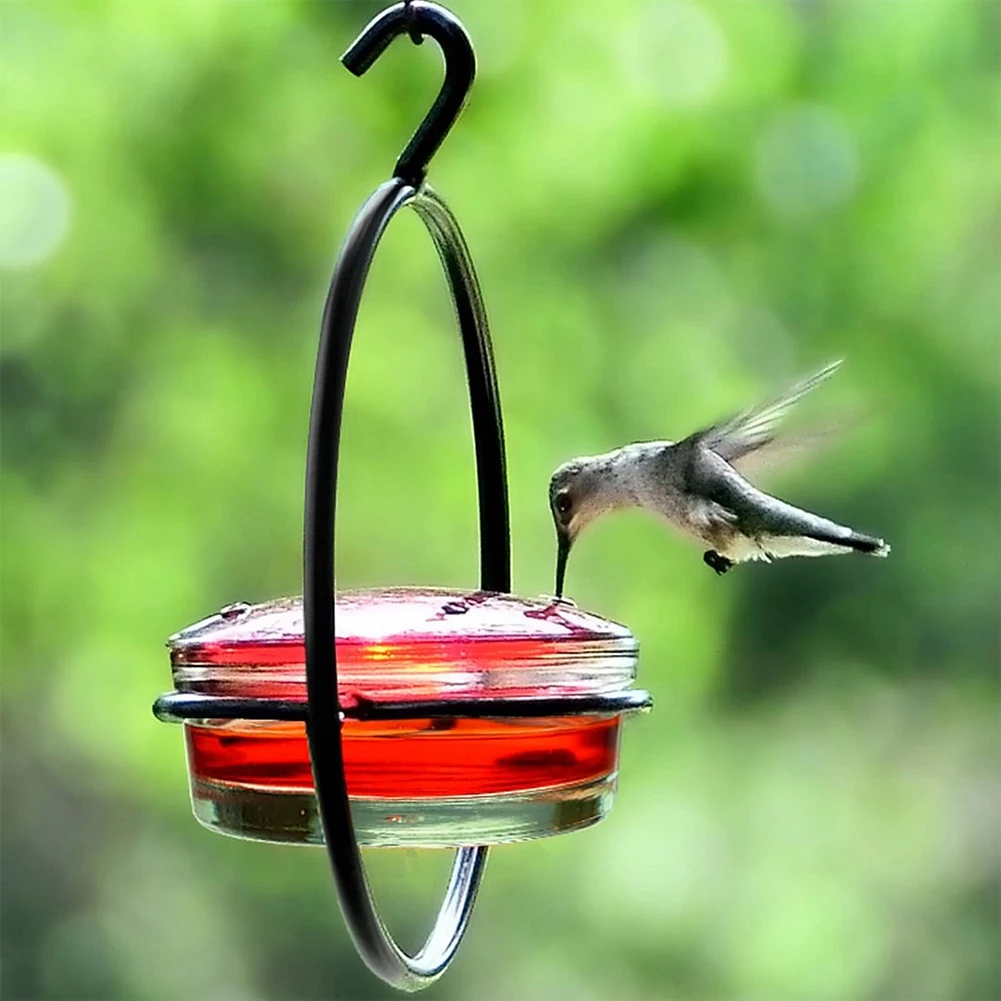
x,y
563,503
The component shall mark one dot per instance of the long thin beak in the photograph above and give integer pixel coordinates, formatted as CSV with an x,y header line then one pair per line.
x,y
563,551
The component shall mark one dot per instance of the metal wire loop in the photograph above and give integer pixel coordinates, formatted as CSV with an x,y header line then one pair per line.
x,y
175,707
323,725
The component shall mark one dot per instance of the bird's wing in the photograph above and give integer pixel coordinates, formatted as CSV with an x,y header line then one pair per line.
x,y
752,429
788,449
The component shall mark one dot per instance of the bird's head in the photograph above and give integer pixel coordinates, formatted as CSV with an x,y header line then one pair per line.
x,y
577,495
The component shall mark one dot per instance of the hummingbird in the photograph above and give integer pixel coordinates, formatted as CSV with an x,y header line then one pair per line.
x,y
695,485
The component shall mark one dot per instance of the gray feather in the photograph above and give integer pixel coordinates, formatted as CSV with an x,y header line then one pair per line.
x,y
775,527
756,512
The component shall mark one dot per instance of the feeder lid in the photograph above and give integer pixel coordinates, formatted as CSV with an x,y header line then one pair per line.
x,y
410,643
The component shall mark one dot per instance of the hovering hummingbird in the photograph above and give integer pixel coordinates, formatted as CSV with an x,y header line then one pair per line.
x,y
694,485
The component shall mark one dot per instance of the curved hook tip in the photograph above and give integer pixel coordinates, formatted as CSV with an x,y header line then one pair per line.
x,y
419,18
401,18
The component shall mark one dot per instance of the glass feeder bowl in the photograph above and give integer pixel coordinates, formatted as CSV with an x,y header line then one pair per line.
x,y
441,781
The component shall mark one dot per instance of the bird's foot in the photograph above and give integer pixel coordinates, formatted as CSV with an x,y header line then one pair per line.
x,y
716,562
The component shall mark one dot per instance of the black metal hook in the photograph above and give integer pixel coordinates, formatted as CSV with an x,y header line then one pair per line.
x,y
417,18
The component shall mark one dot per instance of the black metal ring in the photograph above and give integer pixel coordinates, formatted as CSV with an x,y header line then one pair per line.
x,y
175,707
373,941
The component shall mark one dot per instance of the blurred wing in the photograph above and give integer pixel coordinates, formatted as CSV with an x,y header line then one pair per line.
x,y
787,449
753,429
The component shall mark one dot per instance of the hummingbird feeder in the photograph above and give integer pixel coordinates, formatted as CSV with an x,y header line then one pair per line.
x,y
403,716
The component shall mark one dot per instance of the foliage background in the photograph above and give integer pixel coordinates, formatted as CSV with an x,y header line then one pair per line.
x,y
675,207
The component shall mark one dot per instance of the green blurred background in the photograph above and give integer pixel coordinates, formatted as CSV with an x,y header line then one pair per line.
x,y
675,207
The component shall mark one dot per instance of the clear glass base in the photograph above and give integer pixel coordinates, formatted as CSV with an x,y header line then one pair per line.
x,y
444,822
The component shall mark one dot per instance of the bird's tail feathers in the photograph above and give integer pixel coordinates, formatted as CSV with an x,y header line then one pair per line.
x,y
860,543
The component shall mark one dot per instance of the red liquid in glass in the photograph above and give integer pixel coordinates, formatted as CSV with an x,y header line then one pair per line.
x,y
415,758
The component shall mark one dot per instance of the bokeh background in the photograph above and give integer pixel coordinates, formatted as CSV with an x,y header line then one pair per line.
x,y
676,207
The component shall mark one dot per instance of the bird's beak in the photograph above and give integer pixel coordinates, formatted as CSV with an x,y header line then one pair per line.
x,y
562,552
